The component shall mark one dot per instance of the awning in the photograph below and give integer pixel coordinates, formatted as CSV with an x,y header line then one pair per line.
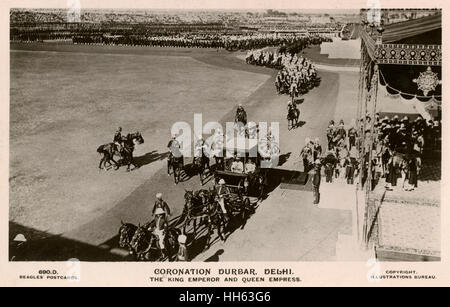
x,y
397,31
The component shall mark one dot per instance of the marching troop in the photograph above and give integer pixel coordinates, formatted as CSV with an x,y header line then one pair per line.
x,y
297,74
196,40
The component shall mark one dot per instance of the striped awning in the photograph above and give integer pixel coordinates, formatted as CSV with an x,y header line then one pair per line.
x,y
397,31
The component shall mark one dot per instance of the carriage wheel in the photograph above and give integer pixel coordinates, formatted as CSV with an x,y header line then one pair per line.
x,y
221,228
201,175
240,187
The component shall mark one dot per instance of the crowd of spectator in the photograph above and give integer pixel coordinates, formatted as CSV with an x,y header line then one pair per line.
x,y
397,151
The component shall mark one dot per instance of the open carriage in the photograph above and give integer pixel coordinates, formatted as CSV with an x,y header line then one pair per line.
x,y
241,169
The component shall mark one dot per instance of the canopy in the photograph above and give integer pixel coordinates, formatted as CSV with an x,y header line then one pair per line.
x,y
241,145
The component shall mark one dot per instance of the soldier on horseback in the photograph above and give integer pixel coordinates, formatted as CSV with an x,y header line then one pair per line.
x,y
241,115
161,204
118,138
199,148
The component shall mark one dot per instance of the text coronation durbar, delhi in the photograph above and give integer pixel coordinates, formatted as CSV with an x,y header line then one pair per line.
x,y
172,272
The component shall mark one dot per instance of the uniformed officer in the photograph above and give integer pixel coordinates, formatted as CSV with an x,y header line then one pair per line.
x,y
316,181
306,154
161,204
330,134
317,149
222,193
118,138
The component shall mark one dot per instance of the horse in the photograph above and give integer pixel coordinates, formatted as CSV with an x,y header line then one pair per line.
x,y
128,148
176,164
292,117
146,243
108,151
195,207
126,233
201,164
216,219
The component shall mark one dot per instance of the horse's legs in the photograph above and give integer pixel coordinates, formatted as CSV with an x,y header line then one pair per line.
x,y
208,239
219,231
101,162
116,164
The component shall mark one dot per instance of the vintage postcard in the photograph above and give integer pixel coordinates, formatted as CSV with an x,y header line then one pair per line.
x,y
213,143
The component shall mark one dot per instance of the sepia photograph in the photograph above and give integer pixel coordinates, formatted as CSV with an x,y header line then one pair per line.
x,y
225,135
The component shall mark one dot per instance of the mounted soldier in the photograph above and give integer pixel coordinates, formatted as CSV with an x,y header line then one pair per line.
x,y
118,139
241,115
161,204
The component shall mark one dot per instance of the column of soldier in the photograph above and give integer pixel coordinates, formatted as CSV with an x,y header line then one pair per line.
x,y
189,40
297,75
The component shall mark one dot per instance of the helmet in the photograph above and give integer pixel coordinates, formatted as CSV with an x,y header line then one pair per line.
x,y
317,161
20,238
182,239
307,140
159,195
317,140
119,129
221,182
159,211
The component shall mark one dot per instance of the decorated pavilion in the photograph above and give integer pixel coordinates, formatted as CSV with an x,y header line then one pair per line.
x,y
400,74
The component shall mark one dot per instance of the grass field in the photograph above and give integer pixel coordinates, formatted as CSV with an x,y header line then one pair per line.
x,y
65,104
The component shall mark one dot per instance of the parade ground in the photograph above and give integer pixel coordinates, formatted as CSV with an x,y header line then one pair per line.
x,y
66,100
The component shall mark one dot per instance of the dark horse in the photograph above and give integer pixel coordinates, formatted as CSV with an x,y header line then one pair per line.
x,y
195,207
292,117
126,233
201,164
145,243
128,148
126,154
176,164
202,206
108,151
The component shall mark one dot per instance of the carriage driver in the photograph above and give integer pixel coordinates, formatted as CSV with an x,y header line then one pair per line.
x,y
241,115
222,192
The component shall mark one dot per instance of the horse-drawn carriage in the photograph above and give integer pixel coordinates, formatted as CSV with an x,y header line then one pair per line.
x,y
241,169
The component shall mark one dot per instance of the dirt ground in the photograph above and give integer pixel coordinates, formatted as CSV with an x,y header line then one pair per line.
x,y
64,105
55,185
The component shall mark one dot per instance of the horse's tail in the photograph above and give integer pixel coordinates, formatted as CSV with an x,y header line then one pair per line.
x,y
101,149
